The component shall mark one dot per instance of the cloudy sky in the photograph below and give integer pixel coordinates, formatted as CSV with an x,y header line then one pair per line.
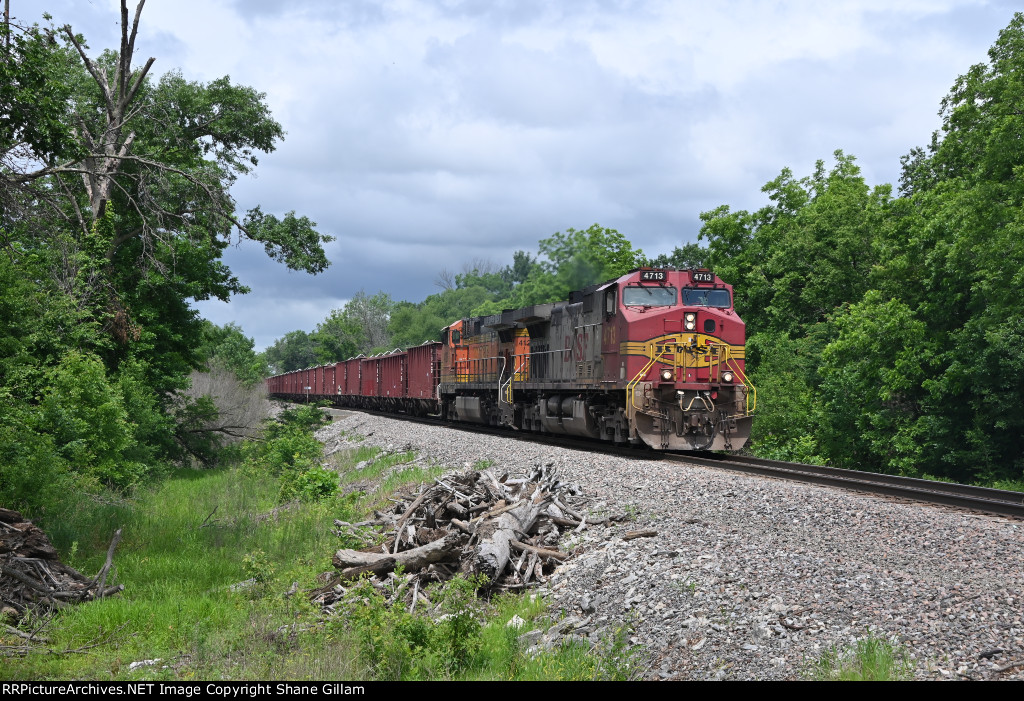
x,y
424,135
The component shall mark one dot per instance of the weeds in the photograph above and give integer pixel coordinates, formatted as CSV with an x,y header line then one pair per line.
x,y
290,453
870,659
190,540
472,640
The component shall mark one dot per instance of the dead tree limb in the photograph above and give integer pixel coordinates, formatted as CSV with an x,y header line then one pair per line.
x,y
352,563
542,552
101,576
492,554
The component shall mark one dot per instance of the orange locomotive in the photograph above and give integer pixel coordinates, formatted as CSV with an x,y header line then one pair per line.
x,y
655,356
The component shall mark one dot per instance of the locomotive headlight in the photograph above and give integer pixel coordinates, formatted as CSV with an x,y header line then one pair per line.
x,y
727,376
666,375
690,321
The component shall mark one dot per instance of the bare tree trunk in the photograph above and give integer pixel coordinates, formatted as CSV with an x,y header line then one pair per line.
x,y
107,149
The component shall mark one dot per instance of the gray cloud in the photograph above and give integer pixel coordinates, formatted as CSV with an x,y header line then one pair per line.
x,y
425,134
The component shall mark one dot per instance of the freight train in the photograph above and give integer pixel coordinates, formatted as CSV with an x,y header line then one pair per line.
x,y
655,357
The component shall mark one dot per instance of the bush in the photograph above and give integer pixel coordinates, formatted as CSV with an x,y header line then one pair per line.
x,y
290,453
34,477
87,418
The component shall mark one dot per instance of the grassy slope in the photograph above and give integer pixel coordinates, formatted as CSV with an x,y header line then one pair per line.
x,y
188,540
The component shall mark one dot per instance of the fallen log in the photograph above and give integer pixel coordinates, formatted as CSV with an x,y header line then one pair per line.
x,y
353,563
492,554
646,533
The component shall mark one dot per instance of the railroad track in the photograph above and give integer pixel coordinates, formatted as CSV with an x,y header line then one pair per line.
x,y
961,496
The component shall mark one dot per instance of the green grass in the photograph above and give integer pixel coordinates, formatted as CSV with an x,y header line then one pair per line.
x,y
177,604
189,539
870,659
386,473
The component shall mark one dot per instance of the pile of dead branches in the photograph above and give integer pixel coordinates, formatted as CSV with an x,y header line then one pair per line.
x,y
33,577
470,523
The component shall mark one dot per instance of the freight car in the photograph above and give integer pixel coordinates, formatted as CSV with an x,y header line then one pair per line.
x,y
656,356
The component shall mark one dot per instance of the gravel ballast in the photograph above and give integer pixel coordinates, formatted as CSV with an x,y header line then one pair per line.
x,y
754,578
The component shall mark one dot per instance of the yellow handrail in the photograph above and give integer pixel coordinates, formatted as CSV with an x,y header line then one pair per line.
x,y
751,390
631,387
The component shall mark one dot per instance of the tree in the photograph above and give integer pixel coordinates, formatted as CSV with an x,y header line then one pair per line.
x,y
371,315
115,209
690,255
137,189
294,351
809,252
338,337
956,258
228,348
573,260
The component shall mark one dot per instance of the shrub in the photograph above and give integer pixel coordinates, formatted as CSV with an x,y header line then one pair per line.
x,y
291,454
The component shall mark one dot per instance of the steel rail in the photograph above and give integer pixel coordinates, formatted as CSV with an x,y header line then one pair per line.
x,y
961,496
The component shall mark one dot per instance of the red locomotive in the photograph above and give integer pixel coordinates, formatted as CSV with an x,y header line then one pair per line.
x,y
655,356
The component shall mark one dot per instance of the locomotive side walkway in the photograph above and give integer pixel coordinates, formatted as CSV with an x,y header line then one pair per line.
x,y
753,578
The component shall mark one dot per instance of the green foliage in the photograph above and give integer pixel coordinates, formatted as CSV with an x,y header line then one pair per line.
x,y
879,358
184,550
690,255
34,477
293,240
412,324
86,416
97,333
192,542
470,639
871,659
258,566
228,347
366,324
573,260
392,642
34,91
338,337
786,378
886,334
799,258
290,453
458,633
312,483
306,418
294,351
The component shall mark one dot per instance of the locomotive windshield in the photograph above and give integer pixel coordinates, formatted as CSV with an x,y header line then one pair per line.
x,y
706,298
649,296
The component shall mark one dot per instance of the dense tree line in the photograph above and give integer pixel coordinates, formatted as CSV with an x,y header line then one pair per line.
x,y
115,208
566,261
888,331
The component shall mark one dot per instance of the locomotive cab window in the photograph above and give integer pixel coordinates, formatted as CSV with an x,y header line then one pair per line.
x,y
706,298
649,296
